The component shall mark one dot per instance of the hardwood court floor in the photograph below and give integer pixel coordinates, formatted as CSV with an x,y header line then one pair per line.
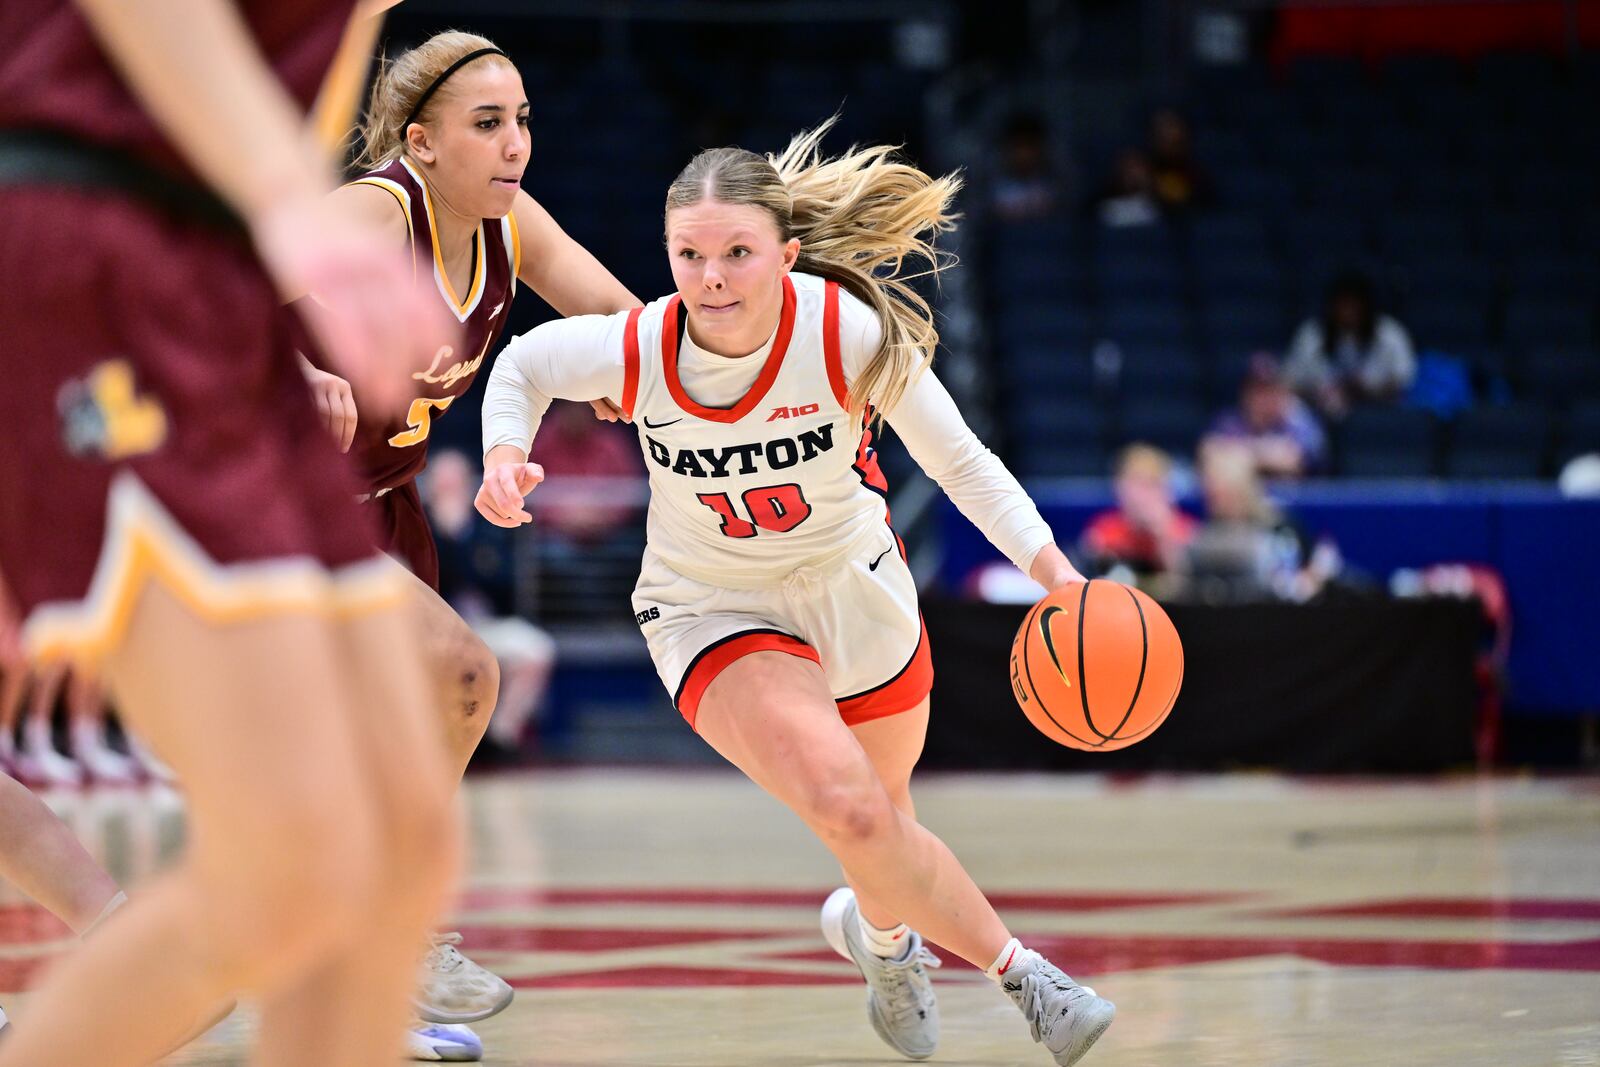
x,y
669,920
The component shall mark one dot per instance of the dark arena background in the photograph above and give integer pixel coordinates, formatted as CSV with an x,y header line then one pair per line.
x,y
1287,312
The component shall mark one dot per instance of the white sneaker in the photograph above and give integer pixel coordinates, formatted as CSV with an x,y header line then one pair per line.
x,y
456,990
900,1002
444,1044
1064,1016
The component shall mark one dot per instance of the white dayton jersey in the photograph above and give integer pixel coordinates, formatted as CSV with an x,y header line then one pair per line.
x,y
783,478
768,521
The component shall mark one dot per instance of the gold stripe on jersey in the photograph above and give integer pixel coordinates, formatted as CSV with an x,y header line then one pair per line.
x,y
516,247
403,198
143,543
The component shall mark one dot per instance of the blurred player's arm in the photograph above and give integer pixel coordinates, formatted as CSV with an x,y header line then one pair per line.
x,y
227,113
220,103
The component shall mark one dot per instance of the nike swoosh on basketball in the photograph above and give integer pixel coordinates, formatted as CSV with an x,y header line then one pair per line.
x,y
657,425
874,564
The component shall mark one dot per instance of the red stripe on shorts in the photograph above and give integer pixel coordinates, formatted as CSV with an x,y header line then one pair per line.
x,y
901,693
718,657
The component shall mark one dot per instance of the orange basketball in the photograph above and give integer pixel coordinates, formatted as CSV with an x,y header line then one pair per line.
x,y
1096,666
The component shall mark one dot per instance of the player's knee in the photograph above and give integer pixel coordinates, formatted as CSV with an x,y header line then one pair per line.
x,y
847,813
472,678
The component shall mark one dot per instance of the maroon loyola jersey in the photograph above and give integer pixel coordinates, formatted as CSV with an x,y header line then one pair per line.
x,y
53,75
391,449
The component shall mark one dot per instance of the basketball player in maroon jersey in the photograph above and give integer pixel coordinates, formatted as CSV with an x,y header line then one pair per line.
x,y
445,144
168,512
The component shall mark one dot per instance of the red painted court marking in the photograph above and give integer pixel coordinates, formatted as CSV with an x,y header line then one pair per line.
x,y
1109,955
598,939
22,924
657,977
813,898
1527,908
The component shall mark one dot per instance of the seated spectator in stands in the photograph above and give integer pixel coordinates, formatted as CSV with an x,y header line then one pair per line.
x,y
578,454
477,577
1129,198
1179,182
1248,549
1279,429
1144,536
1026,186
476,573
1353,354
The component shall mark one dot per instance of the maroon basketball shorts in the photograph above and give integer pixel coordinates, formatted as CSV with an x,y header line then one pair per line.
x,y
156,428
403,531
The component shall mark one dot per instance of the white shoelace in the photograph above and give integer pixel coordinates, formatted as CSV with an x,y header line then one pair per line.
x,y
1030,994
896,981
444,955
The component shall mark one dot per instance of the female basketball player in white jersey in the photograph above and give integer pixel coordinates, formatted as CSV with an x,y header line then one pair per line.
x,y
774,597
445,144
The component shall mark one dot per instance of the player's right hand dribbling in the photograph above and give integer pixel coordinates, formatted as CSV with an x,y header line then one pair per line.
x,y
499,499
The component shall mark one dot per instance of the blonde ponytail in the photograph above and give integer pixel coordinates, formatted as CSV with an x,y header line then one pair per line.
x,y
864,220
400,84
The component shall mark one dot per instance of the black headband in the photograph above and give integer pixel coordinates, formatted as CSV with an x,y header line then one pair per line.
x,y
433,86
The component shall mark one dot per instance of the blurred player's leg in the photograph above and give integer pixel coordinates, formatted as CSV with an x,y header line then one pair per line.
x,y
41,857
286,843
359,999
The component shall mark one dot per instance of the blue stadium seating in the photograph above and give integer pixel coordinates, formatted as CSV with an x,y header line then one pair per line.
x,y
1384,442
1172,423
1538,320
1466,191
1560,376
1499,442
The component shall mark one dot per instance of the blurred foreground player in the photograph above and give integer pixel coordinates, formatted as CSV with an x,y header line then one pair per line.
x,y
172,513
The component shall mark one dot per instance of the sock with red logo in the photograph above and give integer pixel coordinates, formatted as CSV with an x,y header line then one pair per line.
x,y
885,944
1012,954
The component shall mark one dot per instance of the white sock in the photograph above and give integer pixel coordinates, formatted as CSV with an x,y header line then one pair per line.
x,y
885,944
1010,955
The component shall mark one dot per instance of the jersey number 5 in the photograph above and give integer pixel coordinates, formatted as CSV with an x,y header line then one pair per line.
x,y
420,418
779,508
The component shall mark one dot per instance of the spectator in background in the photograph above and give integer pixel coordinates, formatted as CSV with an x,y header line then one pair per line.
x,y
1179,183
477,577
1129,198
1026,186
476,573
1277,427
1249,549
1352,354
1145,535
578,453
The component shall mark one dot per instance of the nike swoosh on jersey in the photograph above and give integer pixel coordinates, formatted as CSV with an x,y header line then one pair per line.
x,y
658,425
874,564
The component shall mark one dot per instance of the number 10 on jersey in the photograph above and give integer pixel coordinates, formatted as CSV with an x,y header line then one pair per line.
x,y
778,508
